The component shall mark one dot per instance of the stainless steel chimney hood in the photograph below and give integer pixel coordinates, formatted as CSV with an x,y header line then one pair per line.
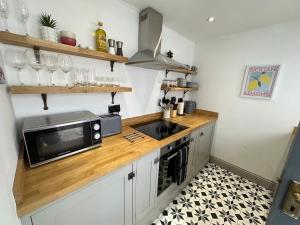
x,y
150,32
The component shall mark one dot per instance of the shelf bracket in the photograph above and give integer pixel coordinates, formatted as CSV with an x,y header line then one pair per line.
x,y
167,71
113,97
165,92
44,98
112,63
184,92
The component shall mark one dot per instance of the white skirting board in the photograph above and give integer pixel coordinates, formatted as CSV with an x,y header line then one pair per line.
x,y
268,184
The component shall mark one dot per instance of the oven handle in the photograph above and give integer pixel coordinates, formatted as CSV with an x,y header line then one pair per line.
x,y
172,156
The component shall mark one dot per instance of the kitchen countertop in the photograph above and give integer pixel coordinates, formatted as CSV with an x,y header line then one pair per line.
x,y
37,187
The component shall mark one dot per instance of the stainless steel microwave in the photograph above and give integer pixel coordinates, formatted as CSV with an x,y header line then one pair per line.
x,y
48,138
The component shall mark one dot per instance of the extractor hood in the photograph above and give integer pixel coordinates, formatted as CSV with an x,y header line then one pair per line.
x,y
150,32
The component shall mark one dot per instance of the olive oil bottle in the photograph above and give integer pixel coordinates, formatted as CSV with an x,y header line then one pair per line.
x,y
101,38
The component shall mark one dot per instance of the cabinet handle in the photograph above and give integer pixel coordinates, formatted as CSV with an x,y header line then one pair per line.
x,y
156,160
201,134
131,175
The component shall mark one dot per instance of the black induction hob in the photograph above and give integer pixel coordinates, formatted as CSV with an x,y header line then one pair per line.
x,y
159,129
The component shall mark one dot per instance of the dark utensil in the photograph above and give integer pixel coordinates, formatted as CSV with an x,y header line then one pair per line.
x,y
163,100
173,100
167,101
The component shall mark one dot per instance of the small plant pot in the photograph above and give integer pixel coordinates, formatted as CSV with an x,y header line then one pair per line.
x,y
48,34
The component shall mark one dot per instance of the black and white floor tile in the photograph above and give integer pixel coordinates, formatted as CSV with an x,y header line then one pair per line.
x,y
218,197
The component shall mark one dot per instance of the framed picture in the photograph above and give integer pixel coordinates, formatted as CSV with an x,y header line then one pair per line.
x,y
260,81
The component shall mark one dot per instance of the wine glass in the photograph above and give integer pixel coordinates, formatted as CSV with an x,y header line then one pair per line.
x,y
16,59
76,76
51,65
92,72
65,64
35,60
24,14
4,13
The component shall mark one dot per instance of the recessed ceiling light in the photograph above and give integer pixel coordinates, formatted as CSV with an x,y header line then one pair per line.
x,y
211,19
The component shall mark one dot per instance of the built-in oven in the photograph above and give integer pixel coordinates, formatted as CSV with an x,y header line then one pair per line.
x,y
48,138
173,164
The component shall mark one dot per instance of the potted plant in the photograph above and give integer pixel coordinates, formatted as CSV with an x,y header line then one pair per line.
x,y
47,29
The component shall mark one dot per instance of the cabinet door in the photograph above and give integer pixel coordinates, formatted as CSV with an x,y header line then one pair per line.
x,y
202,149
108,201
146,185
192,152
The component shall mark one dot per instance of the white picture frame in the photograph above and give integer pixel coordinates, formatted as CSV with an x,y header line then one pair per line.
x,y
260,81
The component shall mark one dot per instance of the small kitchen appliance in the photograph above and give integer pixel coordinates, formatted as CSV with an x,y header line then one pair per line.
x,y
111,124
52,137
190,106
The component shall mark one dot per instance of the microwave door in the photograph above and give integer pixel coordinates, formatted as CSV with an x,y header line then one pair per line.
x,y
51,143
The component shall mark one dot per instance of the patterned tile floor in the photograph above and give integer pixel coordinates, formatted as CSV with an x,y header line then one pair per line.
x,y
218,197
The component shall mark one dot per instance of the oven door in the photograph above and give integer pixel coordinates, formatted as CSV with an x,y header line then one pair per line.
x,y
167,171
49,144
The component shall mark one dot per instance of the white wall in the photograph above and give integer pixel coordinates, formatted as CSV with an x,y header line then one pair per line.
x,y
251,134
121,23
8,159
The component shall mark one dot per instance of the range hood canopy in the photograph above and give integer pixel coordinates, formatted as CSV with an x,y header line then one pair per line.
x,y
150,32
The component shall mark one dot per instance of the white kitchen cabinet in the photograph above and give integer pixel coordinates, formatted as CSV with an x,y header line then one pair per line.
x,y
145,185
200,149
107,201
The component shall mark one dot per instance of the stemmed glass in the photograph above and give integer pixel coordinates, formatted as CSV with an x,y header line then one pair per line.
x,y
65,64
77,77
24,13
51,64
4,13
93,80
36,63
16,59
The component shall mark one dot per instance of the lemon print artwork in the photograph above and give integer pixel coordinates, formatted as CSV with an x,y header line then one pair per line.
x,y
259,82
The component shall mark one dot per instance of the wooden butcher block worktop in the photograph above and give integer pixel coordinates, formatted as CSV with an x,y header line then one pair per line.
x,y
37,187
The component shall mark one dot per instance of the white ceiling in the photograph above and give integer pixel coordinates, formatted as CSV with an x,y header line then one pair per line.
x,y
188,17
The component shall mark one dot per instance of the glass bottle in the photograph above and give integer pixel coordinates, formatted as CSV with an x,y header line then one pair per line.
x,y
101,38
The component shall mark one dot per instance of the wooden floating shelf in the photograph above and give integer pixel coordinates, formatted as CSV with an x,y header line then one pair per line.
x,y
31,42
44,91
184,71
65,90
178,89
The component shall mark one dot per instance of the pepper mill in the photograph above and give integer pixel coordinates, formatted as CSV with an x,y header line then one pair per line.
x,y
119,48
111,44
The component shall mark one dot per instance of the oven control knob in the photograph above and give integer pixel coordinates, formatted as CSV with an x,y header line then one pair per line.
x,y
97,136
96,126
